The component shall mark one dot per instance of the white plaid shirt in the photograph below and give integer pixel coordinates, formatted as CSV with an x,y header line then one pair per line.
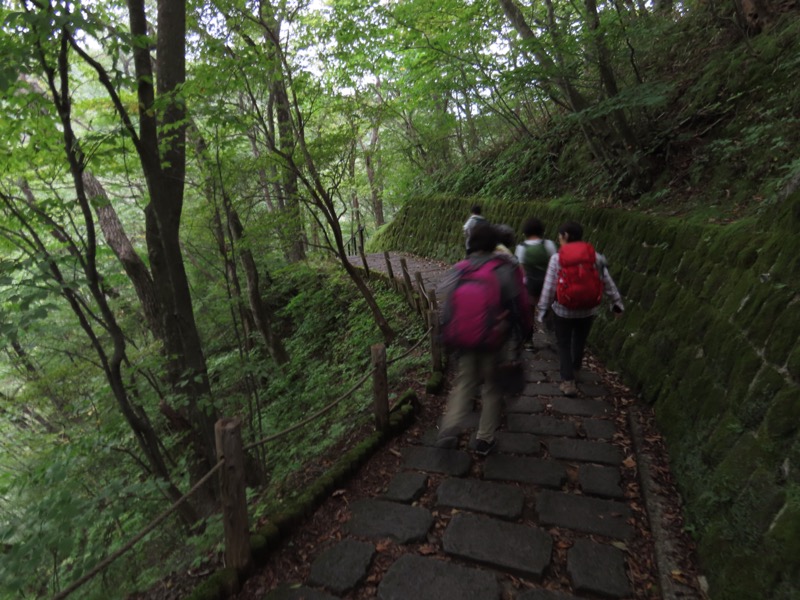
x,y
549,292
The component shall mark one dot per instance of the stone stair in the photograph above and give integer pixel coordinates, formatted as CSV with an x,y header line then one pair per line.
x,y
556,468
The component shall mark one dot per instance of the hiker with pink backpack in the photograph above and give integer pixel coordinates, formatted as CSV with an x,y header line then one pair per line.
x,y
576,280
484,301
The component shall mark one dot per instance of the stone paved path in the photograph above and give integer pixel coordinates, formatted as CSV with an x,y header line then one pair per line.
x,y
556,472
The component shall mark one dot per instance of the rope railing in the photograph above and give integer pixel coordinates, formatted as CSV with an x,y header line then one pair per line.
x,y
381,402
99,567
307,420
410,350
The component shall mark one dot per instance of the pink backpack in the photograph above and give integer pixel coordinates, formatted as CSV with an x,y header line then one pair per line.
x,y
473,314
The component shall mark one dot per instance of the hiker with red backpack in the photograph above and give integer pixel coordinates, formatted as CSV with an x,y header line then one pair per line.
x,y
484,301
576,280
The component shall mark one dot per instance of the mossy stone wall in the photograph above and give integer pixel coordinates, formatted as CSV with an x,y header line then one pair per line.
x,y
710,339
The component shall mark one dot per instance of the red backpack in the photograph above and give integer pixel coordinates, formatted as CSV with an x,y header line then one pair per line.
x,y
579,285
473,314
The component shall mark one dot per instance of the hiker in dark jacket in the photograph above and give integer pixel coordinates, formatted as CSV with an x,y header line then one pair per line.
x,y
528,254
476,364
475,217
534,255
572,324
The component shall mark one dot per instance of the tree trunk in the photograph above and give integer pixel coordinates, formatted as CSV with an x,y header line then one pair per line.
x,y
318,196
86,250
375,187
163,156
575,99
259,314
294,235
135,268
245,316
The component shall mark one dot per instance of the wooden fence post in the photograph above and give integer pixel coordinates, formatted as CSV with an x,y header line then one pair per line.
x,y
436,349
228,434
424,303
407,281
361,251
389,271
380,387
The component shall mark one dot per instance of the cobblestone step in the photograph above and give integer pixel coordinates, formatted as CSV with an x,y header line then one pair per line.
x,y
556,469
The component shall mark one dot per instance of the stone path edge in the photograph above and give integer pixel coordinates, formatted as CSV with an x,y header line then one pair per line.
x,y
664,547
226,581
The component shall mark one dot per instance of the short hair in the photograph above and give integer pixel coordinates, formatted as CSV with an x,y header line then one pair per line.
x,y
476,209
573,230
505,235
482,238
533,226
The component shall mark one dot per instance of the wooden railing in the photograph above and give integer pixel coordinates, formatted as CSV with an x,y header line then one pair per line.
x,y
231,469
355,245
421,300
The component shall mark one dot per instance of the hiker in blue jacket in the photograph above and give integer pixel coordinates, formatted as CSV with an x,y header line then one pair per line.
x,y
478,358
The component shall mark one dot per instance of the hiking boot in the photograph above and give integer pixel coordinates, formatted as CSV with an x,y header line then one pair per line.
x,y
484,448
568,388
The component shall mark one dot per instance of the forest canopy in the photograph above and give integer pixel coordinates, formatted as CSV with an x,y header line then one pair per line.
x,y
180,181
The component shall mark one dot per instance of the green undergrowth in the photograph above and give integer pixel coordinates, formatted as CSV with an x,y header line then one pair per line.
x,y
82,497
332,332
717,121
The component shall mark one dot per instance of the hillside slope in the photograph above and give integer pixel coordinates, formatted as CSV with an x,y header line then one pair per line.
x,y
719,128
707,258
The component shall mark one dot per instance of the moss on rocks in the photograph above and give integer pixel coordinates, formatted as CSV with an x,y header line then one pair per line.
x,y
783,416
709,338
758,399
783,335
435,382
793,362
725,434
783,540
772,315
747,455
222,584
745,370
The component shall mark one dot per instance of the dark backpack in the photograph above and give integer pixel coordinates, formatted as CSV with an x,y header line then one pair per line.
x,y
473,316
579,285
535,261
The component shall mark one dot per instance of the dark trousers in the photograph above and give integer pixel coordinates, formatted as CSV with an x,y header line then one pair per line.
x,y
571,336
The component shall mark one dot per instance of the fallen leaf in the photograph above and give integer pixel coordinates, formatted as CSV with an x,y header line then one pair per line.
x,y
620,545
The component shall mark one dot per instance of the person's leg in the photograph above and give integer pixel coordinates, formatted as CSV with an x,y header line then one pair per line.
x,y
459,403
491,398
580,333
563,330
